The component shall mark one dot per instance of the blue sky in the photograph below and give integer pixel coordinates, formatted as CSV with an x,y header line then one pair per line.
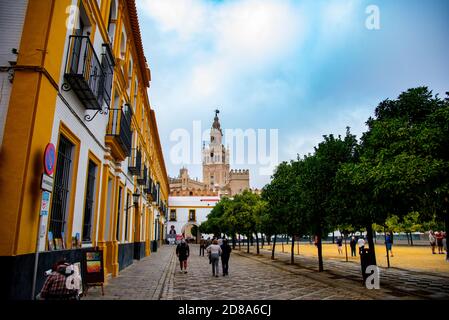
x,y
306,68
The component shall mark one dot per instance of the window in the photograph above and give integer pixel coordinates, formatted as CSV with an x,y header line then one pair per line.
x,y
192,215
172,215
89,202
60,197
112,20
119,213
126,216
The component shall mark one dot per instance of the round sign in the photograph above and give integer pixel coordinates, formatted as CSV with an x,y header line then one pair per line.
x,y
49,159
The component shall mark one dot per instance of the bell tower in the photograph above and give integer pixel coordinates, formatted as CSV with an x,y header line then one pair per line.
x,y
215,158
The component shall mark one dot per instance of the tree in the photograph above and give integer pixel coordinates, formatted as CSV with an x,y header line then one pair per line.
x,y
316,184
403,164
276,194
410,223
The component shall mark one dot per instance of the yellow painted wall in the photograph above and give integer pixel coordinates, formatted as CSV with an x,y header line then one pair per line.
x,y
29,124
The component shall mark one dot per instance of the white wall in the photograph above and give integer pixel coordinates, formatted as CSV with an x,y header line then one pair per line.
x,y
12,17
202,205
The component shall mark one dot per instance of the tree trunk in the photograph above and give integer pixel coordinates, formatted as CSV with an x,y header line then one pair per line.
x,y
263,239
333,237
269,239
408,239
233,241
257,243
411,239
369,235
292,258
248,243
320,253
274,247
240,243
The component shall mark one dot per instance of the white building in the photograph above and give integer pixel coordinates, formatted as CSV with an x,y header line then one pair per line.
x,y
187,211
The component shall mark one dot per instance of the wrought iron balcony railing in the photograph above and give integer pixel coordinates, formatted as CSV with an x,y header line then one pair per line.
x,y
120,128
142,179
107,63
89,78
149,187
135,162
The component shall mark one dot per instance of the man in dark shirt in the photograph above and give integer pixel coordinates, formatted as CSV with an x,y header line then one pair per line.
x,y
225,254
183,252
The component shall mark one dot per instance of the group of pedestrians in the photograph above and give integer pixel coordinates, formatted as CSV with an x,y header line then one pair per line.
x,y
438,239
353,244
214,248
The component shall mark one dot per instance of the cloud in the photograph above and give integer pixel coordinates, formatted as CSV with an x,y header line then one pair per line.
x,y
303,141
185,17
222,46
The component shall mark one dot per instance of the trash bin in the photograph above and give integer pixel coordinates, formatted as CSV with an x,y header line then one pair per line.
x,y
366,259
154,246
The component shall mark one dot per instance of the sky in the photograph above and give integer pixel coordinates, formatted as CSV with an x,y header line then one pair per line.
x,y
305,68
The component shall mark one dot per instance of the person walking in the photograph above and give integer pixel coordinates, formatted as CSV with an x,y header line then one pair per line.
x,y
214,252
432,240
225,255
183,252
202,246
353,244
340,245
439,236
361,243
389,243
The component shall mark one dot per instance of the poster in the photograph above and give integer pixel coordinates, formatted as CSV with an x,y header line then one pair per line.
x,y
93,265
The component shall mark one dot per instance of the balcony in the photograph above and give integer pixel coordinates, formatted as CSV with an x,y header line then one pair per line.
x,y
90,79
119,134
107,64
135,162
148,189
142,179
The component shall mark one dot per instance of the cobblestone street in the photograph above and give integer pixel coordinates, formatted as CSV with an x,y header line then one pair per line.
x,y
251,277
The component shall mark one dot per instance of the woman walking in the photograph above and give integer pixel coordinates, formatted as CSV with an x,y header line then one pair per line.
x,y
214,252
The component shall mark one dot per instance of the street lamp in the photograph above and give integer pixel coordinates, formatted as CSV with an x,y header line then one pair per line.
x,y
136,197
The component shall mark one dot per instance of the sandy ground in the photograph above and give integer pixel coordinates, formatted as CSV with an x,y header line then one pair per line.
x,y
417,258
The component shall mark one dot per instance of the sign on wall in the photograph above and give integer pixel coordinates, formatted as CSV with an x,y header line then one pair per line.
x,y
49,159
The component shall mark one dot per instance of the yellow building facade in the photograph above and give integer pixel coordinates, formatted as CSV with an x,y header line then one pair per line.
x,y
78,81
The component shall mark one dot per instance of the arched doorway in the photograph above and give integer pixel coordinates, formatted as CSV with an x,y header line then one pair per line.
x,y
187,231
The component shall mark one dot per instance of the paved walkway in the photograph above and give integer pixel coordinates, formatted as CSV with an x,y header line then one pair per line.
x,y
257,277
252,279
398,282
143,280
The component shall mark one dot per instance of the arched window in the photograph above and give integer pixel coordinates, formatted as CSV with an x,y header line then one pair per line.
x,y
112,20
123,46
